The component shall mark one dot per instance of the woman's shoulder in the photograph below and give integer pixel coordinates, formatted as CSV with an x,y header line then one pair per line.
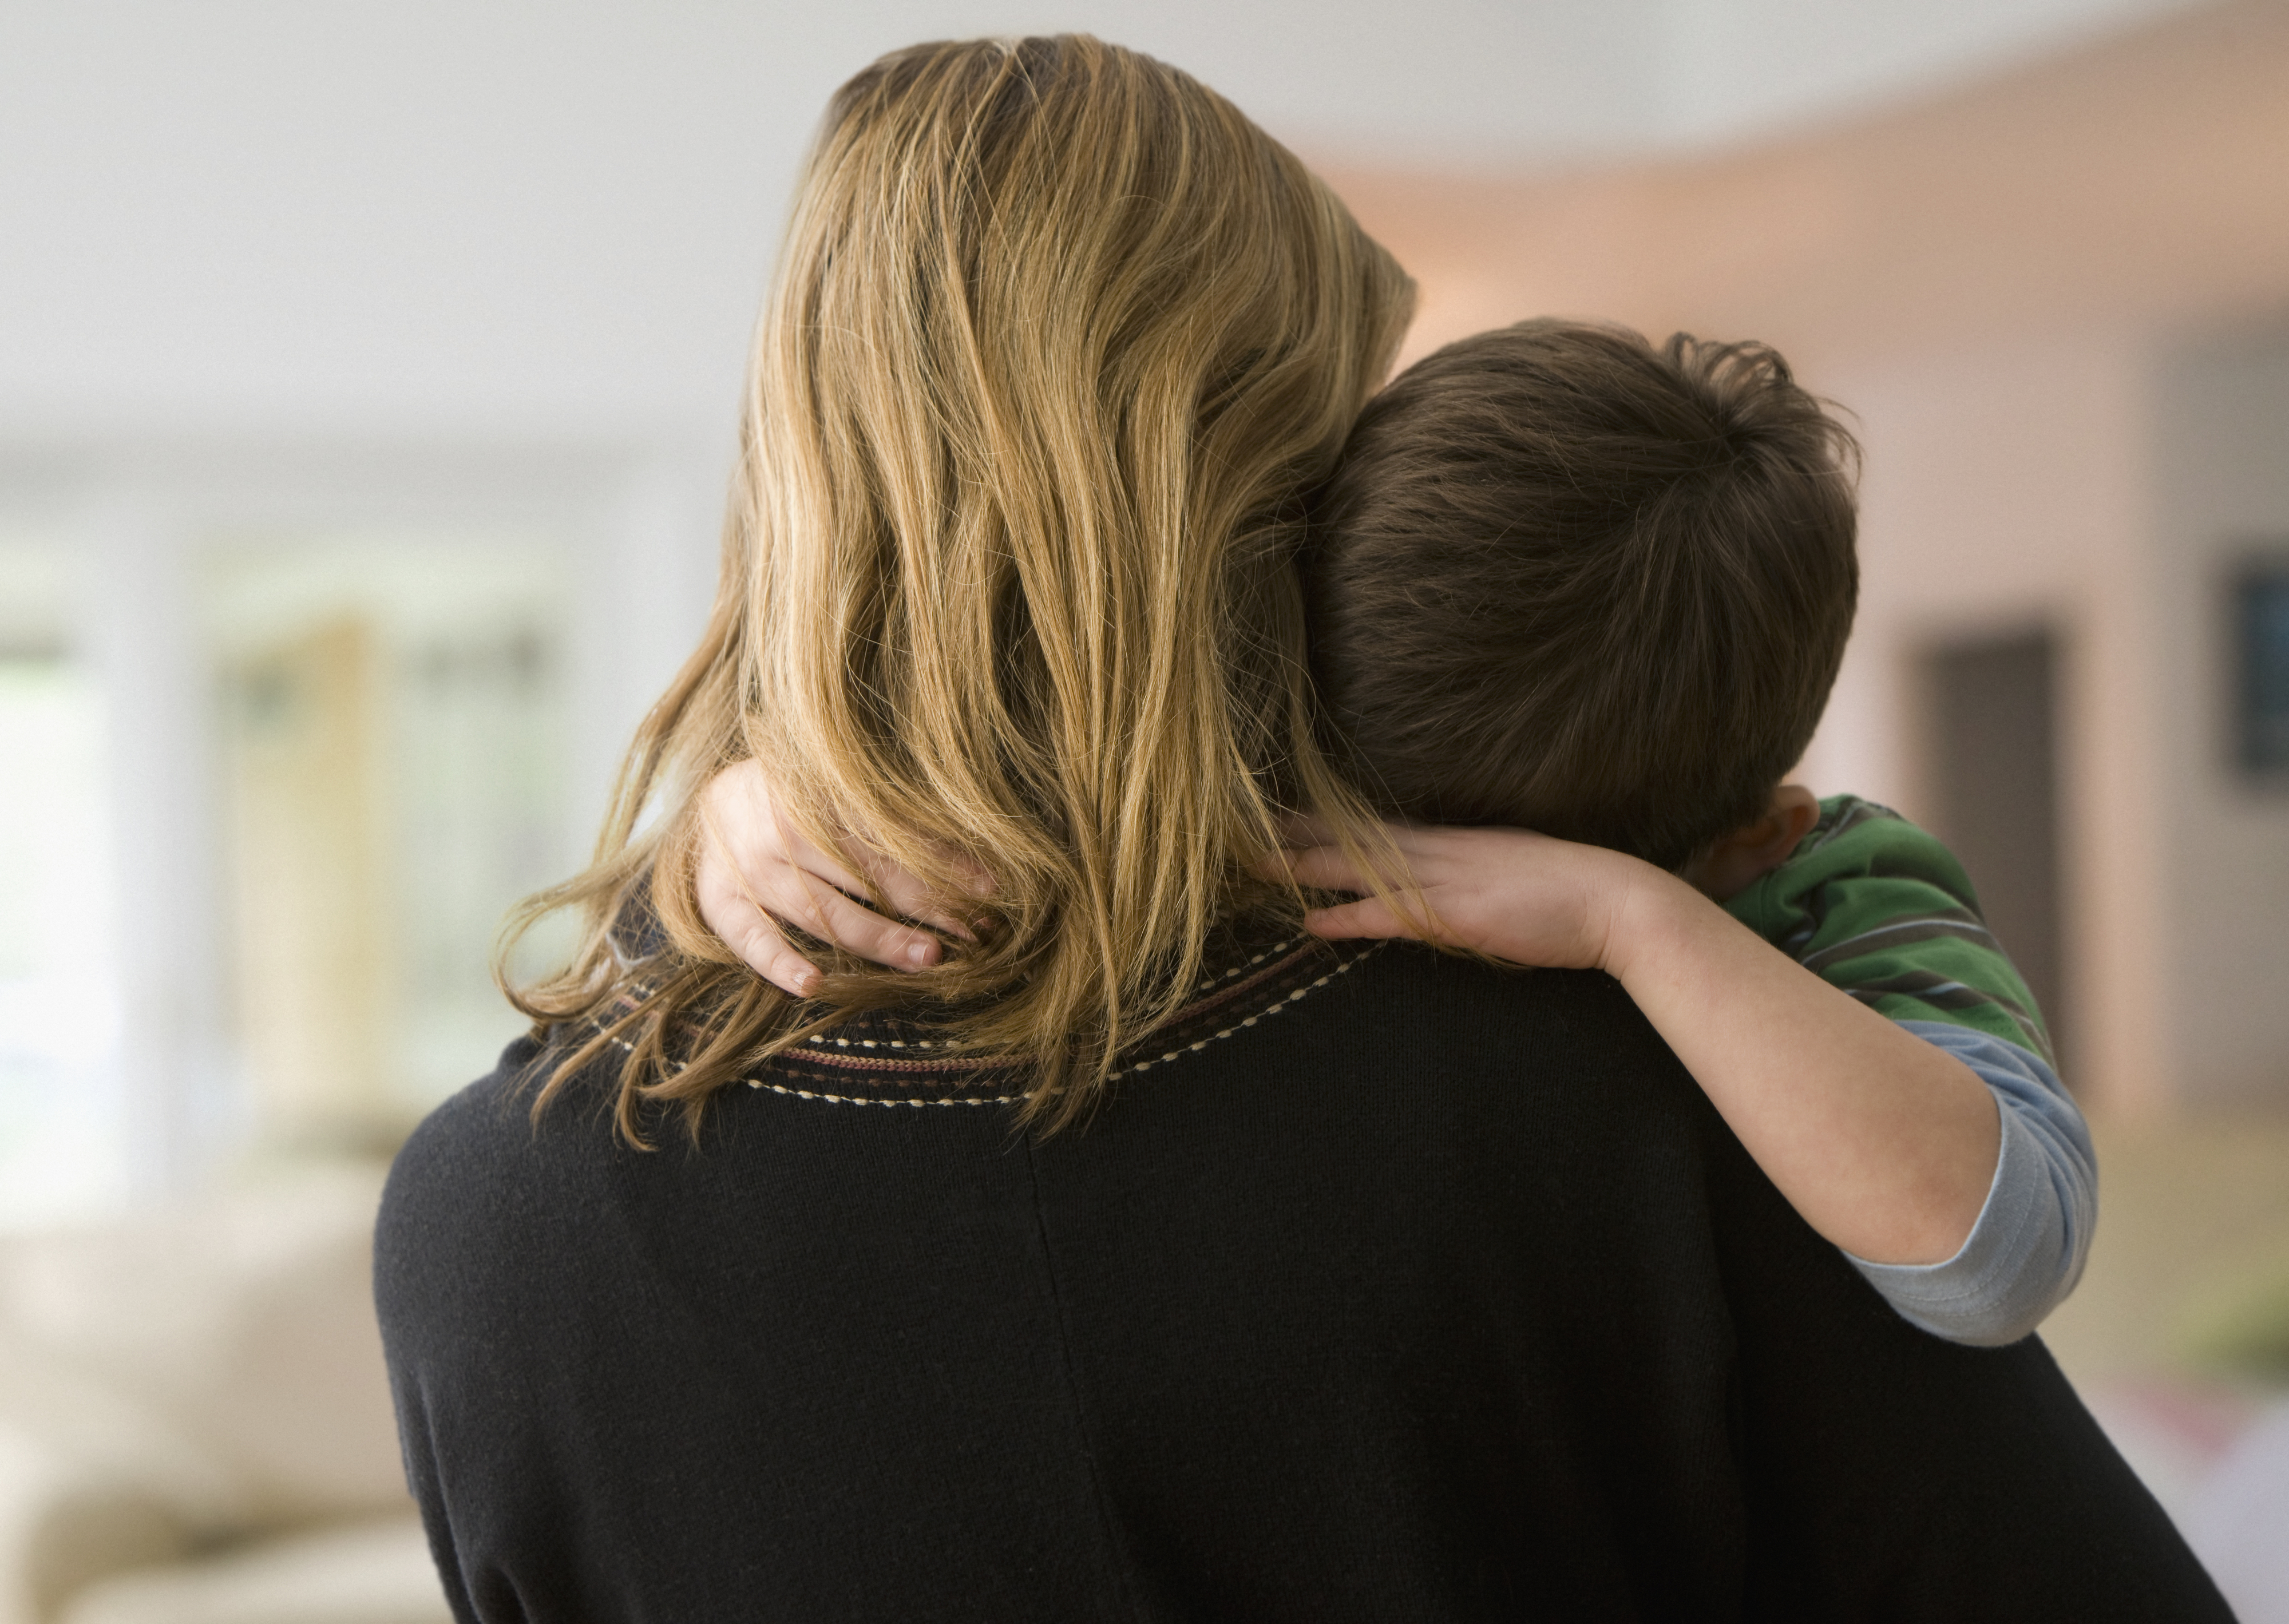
x,y
466,1130
481,1168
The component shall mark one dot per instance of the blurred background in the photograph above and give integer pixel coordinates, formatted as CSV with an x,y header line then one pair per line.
x,y
367,382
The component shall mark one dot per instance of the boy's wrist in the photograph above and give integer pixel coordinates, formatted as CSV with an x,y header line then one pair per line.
x,y
1651,915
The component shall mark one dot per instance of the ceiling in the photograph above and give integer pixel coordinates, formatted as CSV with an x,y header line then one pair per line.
x,y
547,216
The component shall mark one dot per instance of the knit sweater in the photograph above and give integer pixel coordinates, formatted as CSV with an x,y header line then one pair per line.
x,y
1384,1287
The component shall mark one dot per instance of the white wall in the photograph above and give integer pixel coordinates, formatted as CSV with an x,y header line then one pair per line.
x,y
2108,486
2222,421
504,215
264,216
2008,486
1735,67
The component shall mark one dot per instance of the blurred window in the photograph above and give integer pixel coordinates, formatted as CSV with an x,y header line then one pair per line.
x,y
392,780
2262,627
62,1148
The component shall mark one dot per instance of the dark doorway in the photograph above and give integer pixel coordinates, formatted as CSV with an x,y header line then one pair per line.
x,y
1990,711
2261,710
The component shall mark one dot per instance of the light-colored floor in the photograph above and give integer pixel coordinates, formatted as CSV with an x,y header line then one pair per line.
x,y
2178,1337
2193,1230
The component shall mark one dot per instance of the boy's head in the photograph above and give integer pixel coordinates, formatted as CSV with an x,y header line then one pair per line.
x,y
1570,582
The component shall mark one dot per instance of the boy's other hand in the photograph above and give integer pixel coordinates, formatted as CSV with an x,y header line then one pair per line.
x,y
756,869
1507,893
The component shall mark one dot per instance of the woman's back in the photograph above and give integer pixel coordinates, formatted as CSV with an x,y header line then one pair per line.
x,y
1402,1288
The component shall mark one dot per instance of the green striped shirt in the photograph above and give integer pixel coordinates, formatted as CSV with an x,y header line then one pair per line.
x,y
1879,908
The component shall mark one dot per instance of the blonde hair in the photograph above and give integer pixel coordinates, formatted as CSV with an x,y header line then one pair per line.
x,y
1058,344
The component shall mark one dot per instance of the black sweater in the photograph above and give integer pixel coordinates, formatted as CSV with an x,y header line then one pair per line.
x,y
1401,1289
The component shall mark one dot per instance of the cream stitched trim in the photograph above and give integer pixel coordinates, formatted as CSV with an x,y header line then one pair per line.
x,y
1297,996
844,1099
1274,951
823,1041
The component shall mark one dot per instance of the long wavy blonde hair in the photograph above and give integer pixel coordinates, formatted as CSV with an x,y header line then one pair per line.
x,y
1057,343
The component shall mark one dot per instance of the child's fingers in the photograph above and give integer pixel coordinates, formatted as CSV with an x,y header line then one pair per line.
x,y
1325,867
749,932
739,919
974,876
900,892
820,907
905,896
742,915
796,859
1369,917
814,888
1301,829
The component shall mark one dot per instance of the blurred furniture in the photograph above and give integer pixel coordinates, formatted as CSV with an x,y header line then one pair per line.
x,y
194,1423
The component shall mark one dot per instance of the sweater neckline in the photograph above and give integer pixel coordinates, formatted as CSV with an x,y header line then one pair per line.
x,y
884,1059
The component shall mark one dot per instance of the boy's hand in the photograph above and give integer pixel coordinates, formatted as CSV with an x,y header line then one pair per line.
x,y
1884,1142
1511,895
756,868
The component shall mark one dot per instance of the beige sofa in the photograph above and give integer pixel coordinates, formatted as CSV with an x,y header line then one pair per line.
x,y
195,1426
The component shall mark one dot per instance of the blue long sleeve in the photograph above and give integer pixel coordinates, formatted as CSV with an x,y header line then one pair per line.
x,y
2026,1251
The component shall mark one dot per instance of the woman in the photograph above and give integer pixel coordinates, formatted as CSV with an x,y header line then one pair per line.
x,y
1385,1287
1059,338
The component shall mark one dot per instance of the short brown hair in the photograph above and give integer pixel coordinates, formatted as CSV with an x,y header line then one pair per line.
x,y
1565,580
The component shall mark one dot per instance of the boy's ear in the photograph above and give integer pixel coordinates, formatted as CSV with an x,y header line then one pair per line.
x,y
1793,812
1738,860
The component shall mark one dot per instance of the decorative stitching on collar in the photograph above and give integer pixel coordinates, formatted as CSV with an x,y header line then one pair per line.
x,y
841,1099
821,1040
1292,999
886,1065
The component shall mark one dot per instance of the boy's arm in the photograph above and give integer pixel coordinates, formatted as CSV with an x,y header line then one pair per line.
x,y
1885,1143
1881,909
2027,1250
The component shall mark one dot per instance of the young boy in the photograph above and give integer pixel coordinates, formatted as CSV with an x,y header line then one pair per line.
x,y
1570,584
